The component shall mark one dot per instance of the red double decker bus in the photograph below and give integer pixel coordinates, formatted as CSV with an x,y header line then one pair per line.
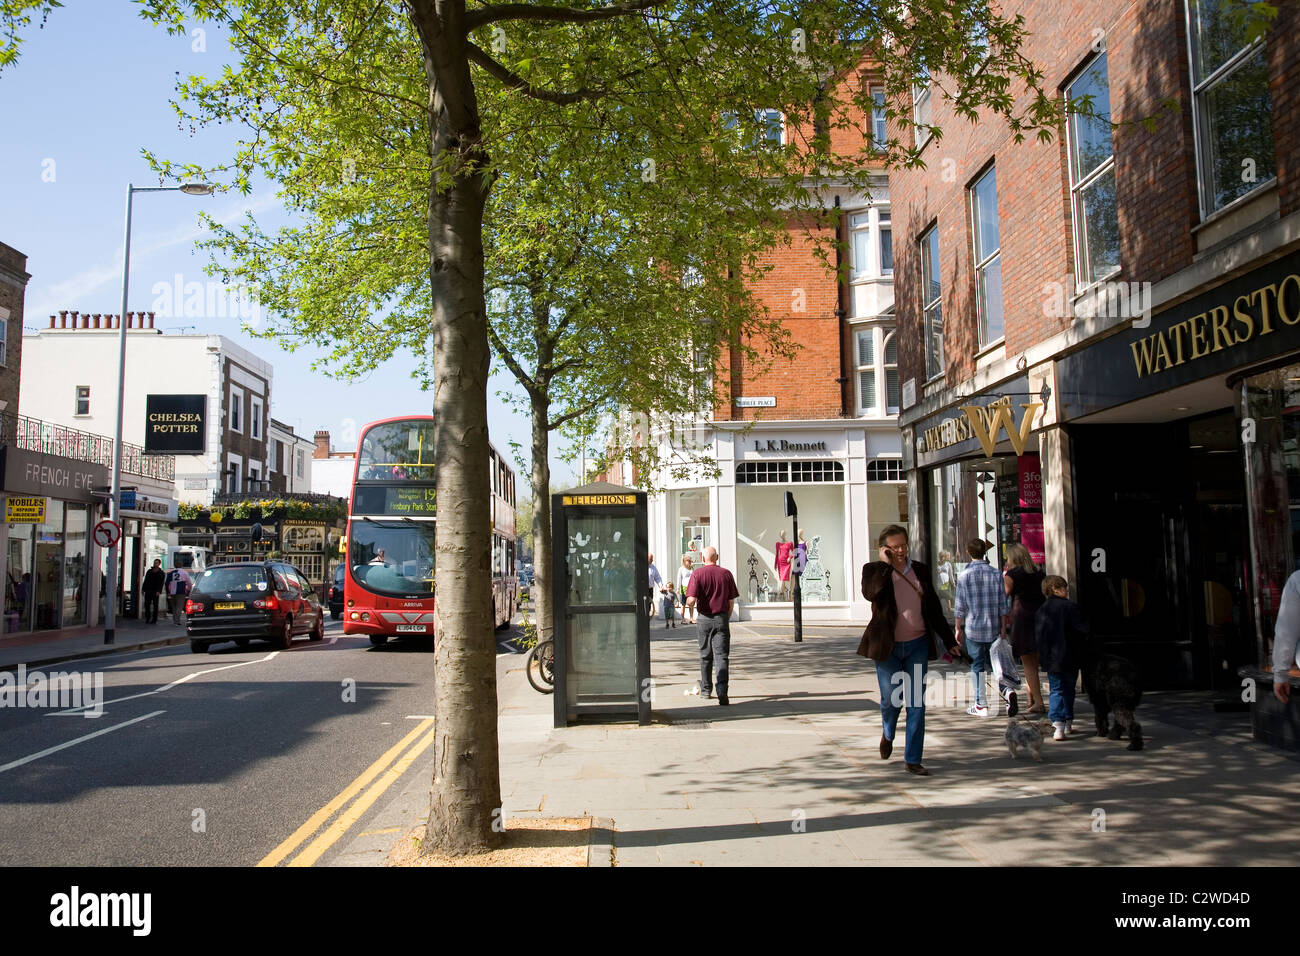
x,y
388,581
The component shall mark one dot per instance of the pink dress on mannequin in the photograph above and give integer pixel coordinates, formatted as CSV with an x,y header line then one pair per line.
x,y
783,549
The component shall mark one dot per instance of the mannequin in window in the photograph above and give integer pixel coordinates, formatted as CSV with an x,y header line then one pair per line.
x,y
783,549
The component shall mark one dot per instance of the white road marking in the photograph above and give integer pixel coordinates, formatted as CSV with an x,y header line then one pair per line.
x,y
78,740
158,690
420,717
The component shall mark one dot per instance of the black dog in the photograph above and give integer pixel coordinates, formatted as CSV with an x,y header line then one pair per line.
x,y
1112,686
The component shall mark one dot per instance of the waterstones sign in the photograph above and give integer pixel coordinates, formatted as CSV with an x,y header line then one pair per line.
x,y
978,425
1250,319
174,424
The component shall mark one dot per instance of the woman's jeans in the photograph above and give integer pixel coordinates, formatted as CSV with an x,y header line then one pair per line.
x,y
902,682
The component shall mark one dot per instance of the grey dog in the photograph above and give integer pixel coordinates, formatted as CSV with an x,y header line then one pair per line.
x,y
1027,733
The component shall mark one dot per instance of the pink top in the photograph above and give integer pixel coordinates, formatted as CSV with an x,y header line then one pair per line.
x,y
911,624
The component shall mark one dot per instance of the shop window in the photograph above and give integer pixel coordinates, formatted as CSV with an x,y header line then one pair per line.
x,y
763,558
1092,177
805,471
762,472
886,469
988,258
931,302
83,400
1233,108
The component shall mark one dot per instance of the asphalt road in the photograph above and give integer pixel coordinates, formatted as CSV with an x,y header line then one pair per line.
x,y
204,759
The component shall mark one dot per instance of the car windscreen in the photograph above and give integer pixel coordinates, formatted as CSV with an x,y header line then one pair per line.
x,y
233,578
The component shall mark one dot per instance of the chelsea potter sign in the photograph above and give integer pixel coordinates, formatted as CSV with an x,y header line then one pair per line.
x,y
175,424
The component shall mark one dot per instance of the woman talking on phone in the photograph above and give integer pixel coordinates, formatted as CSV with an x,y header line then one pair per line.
x,y
905,619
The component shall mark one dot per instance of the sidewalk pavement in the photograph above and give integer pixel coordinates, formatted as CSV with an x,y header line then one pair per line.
x,y
74,643
790,774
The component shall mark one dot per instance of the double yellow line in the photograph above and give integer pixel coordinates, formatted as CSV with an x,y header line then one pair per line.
x,y
387,769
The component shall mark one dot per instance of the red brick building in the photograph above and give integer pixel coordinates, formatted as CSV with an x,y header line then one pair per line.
x,y
1130,294
824,424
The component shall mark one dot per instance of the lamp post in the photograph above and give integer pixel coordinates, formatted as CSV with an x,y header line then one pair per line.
x,y
110,591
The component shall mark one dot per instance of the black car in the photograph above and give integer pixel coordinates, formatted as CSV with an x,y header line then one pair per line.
x,y
267,600
336,594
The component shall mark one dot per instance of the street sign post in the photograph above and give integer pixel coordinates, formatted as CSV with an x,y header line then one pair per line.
x,y
107,533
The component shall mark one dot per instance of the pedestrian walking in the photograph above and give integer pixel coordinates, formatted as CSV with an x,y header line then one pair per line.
x,y
1023,582
654,585
711,591
683,581
152,586
179,585
1060,633
981,613
906,618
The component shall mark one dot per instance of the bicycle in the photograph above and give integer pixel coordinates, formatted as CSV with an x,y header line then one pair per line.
x,y
541,667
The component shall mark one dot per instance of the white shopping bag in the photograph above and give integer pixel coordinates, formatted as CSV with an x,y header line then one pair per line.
x,y
1004,665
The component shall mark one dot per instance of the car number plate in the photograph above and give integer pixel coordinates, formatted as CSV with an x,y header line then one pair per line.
x,y
411,629
228,606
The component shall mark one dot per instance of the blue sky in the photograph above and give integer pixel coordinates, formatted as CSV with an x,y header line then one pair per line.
x,y
89,92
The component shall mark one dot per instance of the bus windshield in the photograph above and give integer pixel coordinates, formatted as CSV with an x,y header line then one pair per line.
x,y
397,451
393,558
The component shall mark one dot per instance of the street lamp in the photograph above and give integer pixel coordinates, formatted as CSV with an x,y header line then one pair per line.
x,y
110,595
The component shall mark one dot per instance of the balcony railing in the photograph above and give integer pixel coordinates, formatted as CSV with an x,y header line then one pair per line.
x,y
32,434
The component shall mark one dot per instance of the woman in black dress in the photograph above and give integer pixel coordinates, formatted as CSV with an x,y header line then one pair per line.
x,y
1024,584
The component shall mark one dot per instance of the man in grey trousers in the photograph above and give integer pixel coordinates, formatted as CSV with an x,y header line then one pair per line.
x,y
711,592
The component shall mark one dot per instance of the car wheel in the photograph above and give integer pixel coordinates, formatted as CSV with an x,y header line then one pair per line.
x,y
241,642
379,640
198,647
318,632
286,635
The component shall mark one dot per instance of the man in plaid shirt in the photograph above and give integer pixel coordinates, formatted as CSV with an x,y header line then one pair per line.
x,y
981,613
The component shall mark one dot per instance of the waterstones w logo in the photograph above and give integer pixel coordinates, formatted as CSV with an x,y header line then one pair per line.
x,y
74,908
64,690
1115,300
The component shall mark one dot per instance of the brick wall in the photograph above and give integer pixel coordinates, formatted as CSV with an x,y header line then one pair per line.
x,y
13,289
1156,176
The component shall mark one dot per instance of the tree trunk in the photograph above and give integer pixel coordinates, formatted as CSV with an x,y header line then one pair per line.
x,y
466,794
542,521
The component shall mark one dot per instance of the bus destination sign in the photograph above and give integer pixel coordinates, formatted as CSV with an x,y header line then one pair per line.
x,y
406,501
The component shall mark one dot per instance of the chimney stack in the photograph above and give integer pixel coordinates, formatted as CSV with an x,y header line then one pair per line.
x,y
322,444
151,320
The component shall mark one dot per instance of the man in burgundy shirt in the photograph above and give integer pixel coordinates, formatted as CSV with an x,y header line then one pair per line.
x,y
710,592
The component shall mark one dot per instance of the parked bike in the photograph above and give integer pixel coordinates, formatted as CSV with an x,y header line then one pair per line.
x,y
541,667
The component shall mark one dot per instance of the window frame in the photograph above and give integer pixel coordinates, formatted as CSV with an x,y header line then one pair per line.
x,y
981,266
930,306
255,417
78,398
235,416
879,121
1201,88
923,99
1079,185
865,410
